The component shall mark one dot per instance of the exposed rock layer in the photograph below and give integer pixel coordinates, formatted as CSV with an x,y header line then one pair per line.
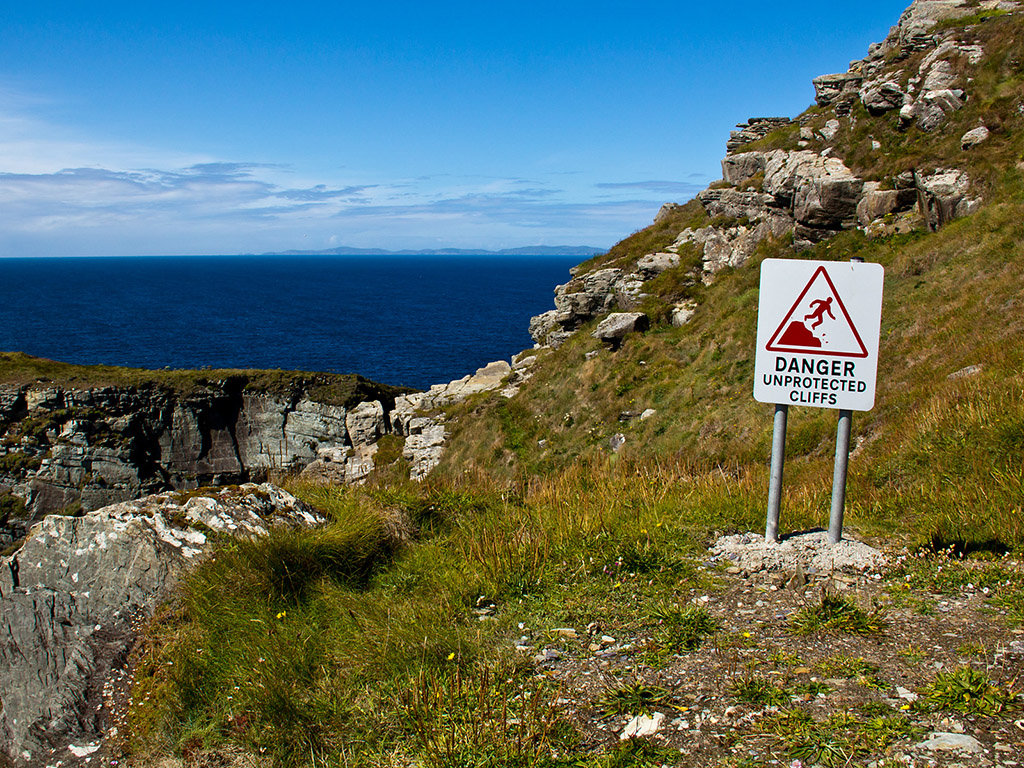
x,y
69,595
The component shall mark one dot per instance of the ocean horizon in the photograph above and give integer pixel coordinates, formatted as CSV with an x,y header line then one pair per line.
x,y
408,320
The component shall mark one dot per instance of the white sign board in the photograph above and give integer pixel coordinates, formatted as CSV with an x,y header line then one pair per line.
x,y
817,333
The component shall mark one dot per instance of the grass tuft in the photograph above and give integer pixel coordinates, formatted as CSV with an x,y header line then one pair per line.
x,y
836,613
969,691
637,698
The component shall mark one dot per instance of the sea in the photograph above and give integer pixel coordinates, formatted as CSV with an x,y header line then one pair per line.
x,y
402,320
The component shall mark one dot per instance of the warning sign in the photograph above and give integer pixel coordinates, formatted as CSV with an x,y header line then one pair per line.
x,y
817,333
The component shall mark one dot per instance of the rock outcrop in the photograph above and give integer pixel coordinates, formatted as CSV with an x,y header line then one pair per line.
x,y
69,596
94,446
804,192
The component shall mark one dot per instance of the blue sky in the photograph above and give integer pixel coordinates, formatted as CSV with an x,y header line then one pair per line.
x,y
190,128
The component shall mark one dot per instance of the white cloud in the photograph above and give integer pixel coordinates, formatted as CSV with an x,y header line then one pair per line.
x,y
61,194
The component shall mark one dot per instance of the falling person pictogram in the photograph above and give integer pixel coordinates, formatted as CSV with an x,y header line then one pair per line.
x,y
821,307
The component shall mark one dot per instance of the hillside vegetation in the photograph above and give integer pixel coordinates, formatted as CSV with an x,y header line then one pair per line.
x,y
541,588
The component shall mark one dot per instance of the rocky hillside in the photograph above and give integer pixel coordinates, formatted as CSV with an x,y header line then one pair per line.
x,y
559,581
78,438
910,159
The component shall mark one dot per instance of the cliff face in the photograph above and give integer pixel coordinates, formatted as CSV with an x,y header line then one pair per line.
x,y
70,596
64,446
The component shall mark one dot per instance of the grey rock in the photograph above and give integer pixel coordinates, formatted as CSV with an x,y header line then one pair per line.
x,y
737,169
617,441
970,370
653,264
938,741
879,98
342,466
967,207
931,109
423,449
731,247
876,203
830,129
942,193
618,325
485,379
68,596
365,423
665,211
585,297
543,324
974,137
682,313
109,444
821,192
837,89
752,130
736,205
940,77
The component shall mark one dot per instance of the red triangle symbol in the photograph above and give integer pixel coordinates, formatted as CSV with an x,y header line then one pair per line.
x,y
818,323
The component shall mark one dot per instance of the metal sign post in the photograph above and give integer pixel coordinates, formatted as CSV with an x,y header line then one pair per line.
x,y
771,531
817,344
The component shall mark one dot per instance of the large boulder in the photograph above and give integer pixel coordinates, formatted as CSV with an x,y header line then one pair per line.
x,y
737,169
69,595
653,264
618,325
876,203
881,97
830,90
820,192
365,423
735,205
945,195
974,137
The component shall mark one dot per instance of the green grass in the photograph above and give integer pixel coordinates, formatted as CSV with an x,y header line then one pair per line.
x,y
968,691
836,614
681,631
857,669
839,739
761,691
637,698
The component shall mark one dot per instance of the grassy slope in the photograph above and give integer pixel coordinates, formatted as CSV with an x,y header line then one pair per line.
x,y
392,667
952,299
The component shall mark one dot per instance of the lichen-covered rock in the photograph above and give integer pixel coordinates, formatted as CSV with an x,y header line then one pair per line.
x,y
68,596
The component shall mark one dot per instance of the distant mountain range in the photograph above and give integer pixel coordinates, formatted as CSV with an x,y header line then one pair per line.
x,y
530,250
